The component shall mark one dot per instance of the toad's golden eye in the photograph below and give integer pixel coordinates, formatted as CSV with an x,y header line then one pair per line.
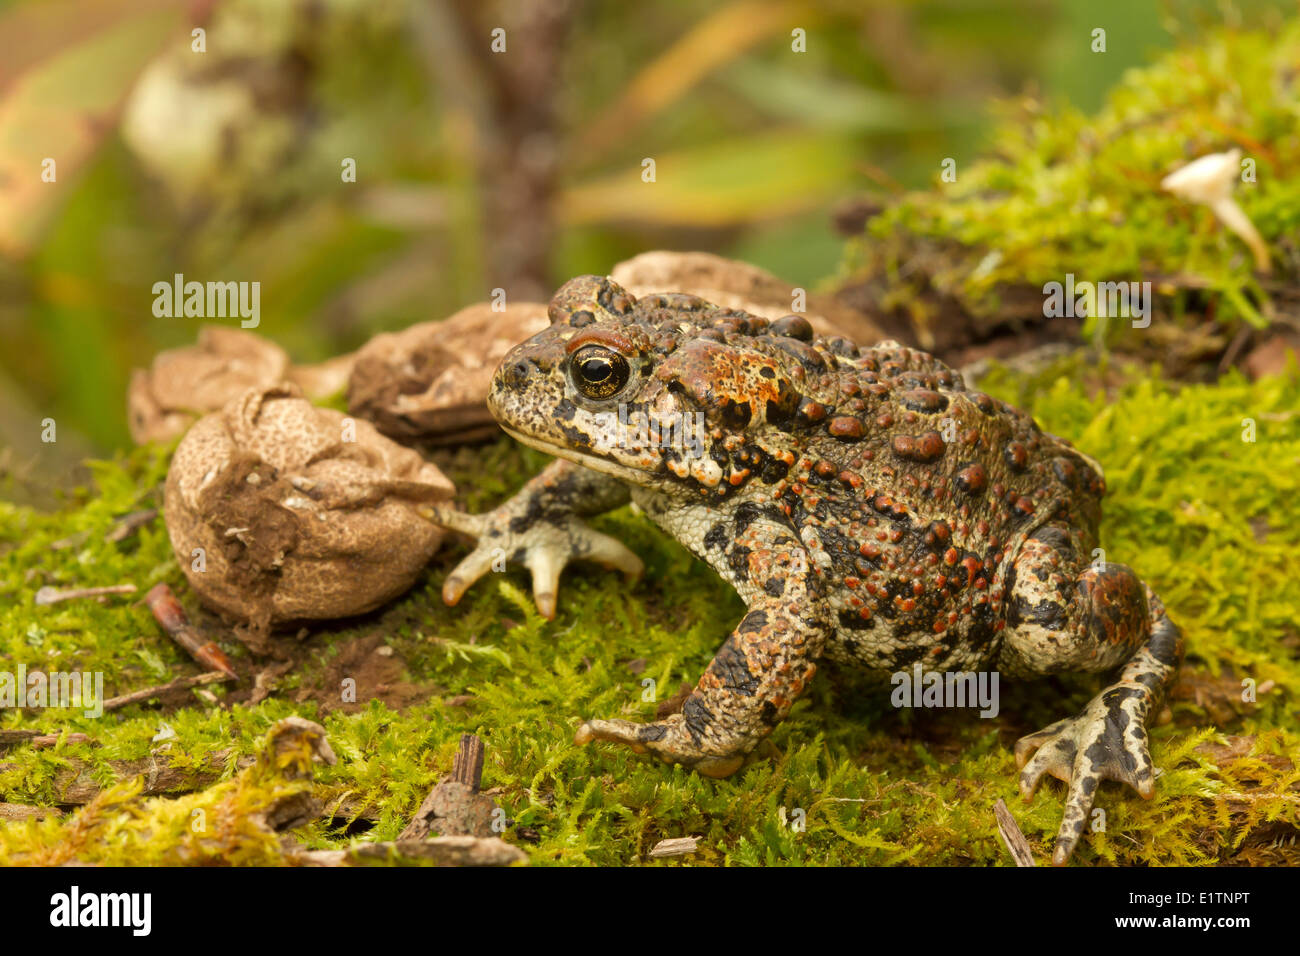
x,y
598,372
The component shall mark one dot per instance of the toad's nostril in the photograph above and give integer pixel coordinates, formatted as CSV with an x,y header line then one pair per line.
x,y
516,373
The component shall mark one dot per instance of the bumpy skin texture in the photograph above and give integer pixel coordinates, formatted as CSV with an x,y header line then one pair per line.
x,y
864,503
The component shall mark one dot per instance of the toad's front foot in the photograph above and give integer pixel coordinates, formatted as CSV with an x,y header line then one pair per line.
x,y
667,739
1107,741
544,544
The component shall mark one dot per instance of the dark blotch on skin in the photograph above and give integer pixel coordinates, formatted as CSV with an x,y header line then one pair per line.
x,y
851,620
717,537
1057,539
924,400
1110,750
774,470
1166,642
781,413
738,561
732,668
697,718
746,514
577,438
1049,614
735,415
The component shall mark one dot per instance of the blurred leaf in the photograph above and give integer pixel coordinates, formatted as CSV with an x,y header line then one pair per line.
x,y
32,31
714,41
734,181
62,109
827,103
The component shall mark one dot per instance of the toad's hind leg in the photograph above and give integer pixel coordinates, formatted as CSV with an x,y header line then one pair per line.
x,y
1066,616
753,680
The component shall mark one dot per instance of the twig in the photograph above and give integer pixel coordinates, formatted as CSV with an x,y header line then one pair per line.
x,y
467,765
128,524
455,807
71,541
19,811
443,851
168,612
76,783
49,595
1014,840
211,677
1234,348
36,738
49,740
679,846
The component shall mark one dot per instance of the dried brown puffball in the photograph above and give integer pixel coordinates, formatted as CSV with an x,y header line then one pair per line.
x,y
186,383
430,382
281,511
739,285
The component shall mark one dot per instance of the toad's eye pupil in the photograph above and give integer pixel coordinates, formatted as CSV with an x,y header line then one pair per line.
x,y
599,373
596,370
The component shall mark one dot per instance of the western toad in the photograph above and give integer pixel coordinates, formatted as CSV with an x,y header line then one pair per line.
x,y
865,504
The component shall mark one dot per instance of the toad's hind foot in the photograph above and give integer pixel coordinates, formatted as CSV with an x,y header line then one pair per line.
x,y
1107,741
666,739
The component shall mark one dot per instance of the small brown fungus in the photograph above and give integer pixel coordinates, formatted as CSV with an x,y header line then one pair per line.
x,y
280,511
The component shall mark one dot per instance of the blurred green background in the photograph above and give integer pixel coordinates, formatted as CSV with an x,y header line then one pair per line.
x,y
475,169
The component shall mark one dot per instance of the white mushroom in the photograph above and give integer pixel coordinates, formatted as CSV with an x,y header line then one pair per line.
x,y
1209,181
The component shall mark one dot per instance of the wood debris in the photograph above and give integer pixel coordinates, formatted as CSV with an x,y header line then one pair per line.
x,y
168,612
1012,838
678,846
442,851
38,739
184,683
51,595
455,807
127,525
18,811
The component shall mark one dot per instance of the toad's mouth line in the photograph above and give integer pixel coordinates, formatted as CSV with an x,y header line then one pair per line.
x,y
587,461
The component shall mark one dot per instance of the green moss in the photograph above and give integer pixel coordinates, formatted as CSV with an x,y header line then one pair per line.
x,y
1212,521
1067,193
